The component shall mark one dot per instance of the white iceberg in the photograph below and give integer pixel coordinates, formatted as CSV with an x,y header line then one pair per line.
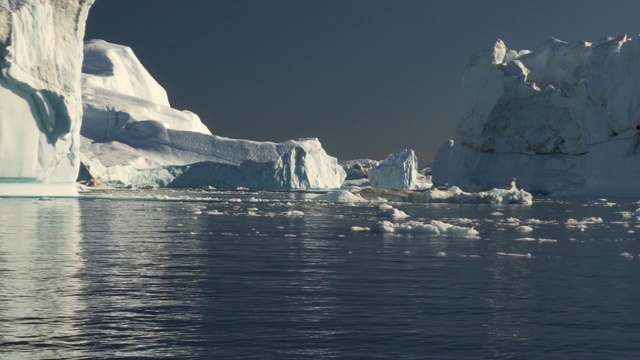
x,y
397,171
562,118
131,136
40,96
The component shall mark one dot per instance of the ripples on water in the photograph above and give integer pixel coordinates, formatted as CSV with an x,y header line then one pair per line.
x,y
158,275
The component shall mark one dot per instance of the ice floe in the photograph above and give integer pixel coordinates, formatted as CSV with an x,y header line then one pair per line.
x,y
427,227
495,196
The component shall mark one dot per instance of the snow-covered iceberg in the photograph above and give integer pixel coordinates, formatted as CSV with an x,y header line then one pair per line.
x,y
131,136
397,171
40,98
565,117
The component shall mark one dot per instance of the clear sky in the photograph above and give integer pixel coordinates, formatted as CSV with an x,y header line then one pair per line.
x,y
366,77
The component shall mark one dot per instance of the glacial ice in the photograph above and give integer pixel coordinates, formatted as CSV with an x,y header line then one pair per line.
x,y
397,171
40,96
562,118
131,136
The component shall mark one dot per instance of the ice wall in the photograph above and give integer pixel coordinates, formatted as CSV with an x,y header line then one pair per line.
x,y
131,136
565,117
40,101
397,171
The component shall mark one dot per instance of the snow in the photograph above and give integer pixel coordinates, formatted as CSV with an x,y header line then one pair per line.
x,y
131,137
397,171
40,96
494,196
562,118
339,196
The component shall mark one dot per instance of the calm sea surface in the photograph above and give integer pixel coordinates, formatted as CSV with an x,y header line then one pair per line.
x,y
253,275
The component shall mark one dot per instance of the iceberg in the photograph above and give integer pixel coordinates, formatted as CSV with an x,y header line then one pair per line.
x,y
397,171
40,96
561,118
132,137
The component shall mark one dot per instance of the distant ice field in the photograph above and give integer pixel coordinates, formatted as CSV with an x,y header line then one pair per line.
x,y
283,275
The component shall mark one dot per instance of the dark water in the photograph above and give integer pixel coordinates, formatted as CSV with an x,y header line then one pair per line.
x,y
154,275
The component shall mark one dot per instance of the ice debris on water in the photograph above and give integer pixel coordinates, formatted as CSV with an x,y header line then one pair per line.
x,y
524,229
340,196
626,255
433,227
359,228
389,211
515,255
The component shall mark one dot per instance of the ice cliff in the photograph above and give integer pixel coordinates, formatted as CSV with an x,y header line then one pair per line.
x,y
131,136
563,117
40,100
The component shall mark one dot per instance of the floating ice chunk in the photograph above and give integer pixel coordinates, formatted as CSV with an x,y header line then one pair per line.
x,y
215,212
515,255
494,196
391,212
626,255
524,229
547,240
293,213
383,227
496,213
573,223
430,227
359,228
464,221
340,196
526,239
441,254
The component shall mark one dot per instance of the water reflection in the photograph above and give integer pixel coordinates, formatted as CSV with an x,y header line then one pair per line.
x,y
39,262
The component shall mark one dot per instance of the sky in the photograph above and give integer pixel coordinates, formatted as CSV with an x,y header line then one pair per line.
x,y
366,77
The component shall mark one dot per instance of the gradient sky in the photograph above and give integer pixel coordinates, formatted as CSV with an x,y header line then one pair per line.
x,y
367,78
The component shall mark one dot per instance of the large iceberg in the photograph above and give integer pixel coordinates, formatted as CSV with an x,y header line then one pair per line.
x,y
565,117
132,137
40,98
397,171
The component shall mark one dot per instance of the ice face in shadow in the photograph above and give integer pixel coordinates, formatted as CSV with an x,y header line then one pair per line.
x,y
131,136
561,118
41,57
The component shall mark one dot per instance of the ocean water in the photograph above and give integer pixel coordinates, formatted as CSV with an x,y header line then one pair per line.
x,y
258,275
